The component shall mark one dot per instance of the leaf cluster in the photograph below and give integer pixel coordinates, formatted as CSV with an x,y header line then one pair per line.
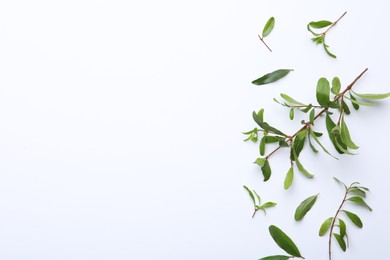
x,y
257,202
354,194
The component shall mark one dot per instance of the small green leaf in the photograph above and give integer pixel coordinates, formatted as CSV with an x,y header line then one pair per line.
x,y
346,108
276,257
340,182
318,39
260,161
265,125
289,178
320,24
355,106
304,207
354,218
271,77
291,113
312,116
323,92
328,52
357,191
341,241
291,100
320,144
250,194
373,96
307,109
325,226
266,170
311,145
360,201
335,139
300,166
358,102
343,228
345,136
260,115
268,26
299,142
336,85
283,241
268,205
262,146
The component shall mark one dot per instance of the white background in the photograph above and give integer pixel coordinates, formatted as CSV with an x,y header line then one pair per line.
x,y
121,127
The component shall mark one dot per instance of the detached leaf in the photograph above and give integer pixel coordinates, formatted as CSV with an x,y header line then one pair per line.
x,y
271,77
354,218
268,27
304,207
323,92
266,170
360,201
289,178
325,226
373,96
320,24
341,241
336,85
276,257
283,241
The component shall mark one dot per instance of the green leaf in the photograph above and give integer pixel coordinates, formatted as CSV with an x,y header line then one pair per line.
x,y
336,85
299,142
354,218
312,146
265,125
359,102
268,205
343,228
262,146
305,110
271,77
346,108
341,241
355,106
328,52
320,24
345,136
325,226
268,26
323,92
341,145
318,39
260,115
250,194
340,182
283,241
360,201
276,257
304,207
257,196
300,166
373,96
289,178
330,125
320,144
357,191
291,113
260,161
266,170
291,100
312,116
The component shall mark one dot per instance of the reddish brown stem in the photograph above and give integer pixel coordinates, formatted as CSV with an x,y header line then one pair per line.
x,y
333,24
261,39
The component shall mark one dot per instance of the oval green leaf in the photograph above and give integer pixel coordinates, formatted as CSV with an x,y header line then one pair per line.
x,y
289,178
343,228
266,170
323,92
336,85
283,241
354,218
269,26
272,77
373,96
304,207
360,201
320,24
341,241
325,226
345,136
291,113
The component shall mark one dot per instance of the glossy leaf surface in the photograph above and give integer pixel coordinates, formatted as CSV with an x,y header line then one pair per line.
x,y
304,207
269,26
271,77
283,241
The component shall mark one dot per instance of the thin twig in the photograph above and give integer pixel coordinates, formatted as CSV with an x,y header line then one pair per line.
x,y
333,24
261,39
